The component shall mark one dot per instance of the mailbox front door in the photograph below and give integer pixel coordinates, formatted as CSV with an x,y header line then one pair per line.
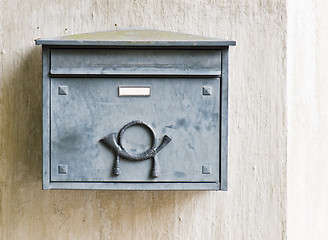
x,y
85,110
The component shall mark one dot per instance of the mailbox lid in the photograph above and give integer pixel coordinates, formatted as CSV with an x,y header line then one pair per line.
x,y
136,61
132,37
84,110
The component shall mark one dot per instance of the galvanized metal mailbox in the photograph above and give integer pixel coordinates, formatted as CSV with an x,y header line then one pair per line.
x,y
135,109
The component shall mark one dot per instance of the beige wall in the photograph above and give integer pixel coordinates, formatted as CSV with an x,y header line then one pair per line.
x,y
254,206
307,119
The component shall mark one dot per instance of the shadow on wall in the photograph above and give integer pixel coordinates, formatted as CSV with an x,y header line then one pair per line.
x,y
64,213
22,114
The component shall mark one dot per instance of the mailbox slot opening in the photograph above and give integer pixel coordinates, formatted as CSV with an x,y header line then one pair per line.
x,y
161,62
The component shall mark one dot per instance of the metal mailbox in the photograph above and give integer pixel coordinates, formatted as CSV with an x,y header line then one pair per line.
x,y
135,109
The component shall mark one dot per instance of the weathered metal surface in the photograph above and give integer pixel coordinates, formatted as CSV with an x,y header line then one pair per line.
x,y
224,121
185,103
114,141
136,37
176,108
46,118
136,62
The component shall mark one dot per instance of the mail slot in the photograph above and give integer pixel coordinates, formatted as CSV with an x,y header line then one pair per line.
x,y
135,109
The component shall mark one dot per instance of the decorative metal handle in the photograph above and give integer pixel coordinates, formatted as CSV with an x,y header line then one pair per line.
x,y
114,142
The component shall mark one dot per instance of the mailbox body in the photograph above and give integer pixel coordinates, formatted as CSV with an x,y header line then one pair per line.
x,y
178,88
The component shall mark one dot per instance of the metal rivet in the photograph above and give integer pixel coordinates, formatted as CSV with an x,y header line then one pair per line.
x,y
207,90
62,169
62,90
206,169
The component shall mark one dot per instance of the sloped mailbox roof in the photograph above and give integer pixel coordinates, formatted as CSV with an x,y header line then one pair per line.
x,y
135,37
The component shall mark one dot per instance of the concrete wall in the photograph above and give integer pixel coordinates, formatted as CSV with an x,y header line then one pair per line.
x,y
255,205
307,119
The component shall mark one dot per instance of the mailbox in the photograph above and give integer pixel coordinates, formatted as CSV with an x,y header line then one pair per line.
x,y
135,109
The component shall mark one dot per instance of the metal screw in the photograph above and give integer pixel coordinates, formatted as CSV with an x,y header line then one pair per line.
x,y
207,90
62,169
62,90
206,169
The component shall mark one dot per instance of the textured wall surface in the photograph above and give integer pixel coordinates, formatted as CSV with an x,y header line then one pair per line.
x,y
254,206
307,119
